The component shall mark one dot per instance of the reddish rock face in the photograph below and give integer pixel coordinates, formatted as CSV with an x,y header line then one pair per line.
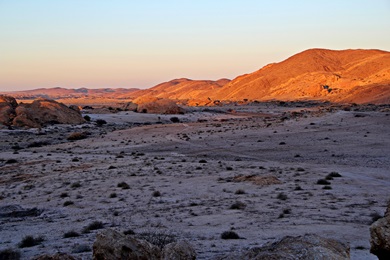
x,y
157,106
7,110
42,112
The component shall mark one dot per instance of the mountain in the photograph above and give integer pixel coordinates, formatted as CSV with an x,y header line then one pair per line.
x,y
64,93
360,76
354,76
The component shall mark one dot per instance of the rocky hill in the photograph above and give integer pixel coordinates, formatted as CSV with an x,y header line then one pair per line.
x,y
352,76
360,76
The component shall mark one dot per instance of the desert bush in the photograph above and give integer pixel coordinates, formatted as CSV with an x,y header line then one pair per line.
x,y
334,175
38,144
202,161
230,235
238,205
113,195
9,254
323,182
123,185
282,196
64,195
129,232
298,188
10,161
75,185
93,226
175,119
327,187
71,234
156,193
68,203
77,136
101,122
239,192
29,241
87,118
157,238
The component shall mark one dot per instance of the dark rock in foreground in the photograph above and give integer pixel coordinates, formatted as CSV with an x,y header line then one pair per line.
x,y
305,247
380,236
111,244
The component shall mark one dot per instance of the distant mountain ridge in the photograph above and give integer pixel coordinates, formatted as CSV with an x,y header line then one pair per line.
x,y
354,76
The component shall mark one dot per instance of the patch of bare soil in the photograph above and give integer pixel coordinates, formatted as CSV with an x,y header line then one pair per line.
x,y
291,171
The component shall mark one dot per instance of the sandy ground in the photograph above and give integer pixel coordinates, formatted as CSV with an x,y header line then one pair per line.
x,y
201,167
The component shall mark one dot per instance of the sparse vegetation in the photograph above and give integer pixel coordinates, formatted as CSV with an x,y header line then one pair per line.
x,y
93,226
123,185
75,185
238,205
87,118
68,203
113,195
323,182
71,234
282,196
230,235
101,122
10,161
334,175
9,254
30,241
175,119
239,192
156,193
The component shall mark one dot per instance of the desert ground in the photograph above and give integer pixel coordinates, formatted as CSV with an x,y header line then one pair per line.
x,y
252,169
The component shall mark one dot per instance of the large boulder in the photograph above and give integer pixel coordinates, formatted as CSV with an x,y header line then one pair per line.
x,y
380,236
305,247
43,111
154,105
180,250
111,244
7,110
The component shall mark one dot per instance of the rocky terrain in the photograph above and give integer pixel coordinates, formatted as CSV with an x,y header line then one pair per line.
x,y
226,179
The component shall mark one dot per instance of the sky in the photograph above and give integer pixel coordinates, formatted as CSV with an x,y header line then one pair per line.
x,y
129,43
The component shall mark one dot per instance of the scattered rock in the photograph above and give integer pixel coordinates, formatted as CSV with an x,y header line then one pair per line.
x,y
43,111
111,244
305,247
181,250
380,236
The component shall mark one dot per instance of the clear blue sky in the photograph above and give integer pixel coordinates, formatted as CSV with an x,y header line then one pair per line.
x,y
118,43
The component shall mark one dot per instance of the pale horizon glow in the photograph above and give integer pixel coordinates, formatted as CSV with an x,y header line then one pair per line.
x,y
139,44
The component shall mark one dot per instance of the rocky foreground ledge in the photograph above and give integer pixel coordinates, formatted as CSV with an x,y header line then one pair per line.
x,y
36,114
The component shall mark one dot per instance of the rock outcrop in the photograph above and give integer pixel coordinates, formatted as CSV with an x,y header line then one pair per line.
x,y
380,236
181,250
111,244
43,111
7,110
305,247
157,106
